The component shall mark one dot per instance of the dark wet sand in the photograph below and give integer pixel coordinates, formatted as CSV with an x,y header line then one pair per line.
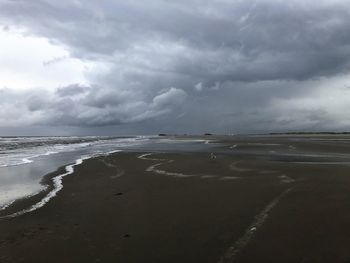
x,y
197,208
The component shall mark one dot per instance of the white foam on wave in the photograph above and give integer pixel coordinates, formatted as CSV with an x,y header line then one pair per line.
x,y
3,207
39,155
57,186
14,158
26,160
49,153
15,161
18,162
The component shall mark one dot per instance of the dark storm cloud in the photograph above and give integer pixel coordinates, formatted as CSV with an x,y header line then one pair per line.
x,y
222,40
201,63
84,106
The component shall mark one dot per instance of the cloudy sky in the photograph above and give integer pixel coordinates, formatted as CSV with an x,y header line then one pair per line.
x,y
185,66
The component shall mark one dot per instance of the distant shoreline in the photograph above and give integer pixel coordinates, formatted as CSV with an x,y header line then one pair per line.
x,y
306,133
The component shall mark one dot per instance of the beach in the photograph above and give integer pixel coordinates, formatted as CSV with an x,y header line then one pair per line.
x,y
246,200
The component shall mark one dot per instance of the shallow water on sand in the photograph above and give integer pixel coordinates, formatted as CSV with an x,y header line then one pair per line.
x,y
24,161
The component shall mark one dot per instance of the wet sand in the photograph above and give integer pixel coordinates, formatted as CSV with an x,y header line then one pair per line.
x,y
192,207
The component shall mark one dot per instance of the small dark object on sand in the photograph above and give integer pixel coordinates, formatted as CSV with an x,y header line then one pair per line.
x,y
126,235
118,194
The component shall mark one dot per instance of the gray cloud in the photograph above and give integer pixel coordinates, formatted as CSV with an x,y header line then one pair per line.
x,y
242,40
200,65
71,90
75,105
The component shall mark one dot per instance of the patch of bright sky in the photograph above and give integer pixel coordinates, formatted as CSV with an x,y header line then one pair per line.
x,y
28,61
330,95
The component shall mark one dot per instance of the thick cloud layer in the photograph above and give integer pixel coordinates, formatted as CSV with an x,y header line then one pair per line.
x,y
186,66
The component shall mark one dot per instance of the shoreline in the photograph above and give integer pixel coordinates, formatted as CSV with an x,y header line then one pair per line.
x,y
176,206
52,183
27,202
82,196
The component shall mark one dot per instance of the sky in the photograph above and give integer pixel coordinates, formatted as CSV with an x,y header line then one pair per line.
x,y
102,67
